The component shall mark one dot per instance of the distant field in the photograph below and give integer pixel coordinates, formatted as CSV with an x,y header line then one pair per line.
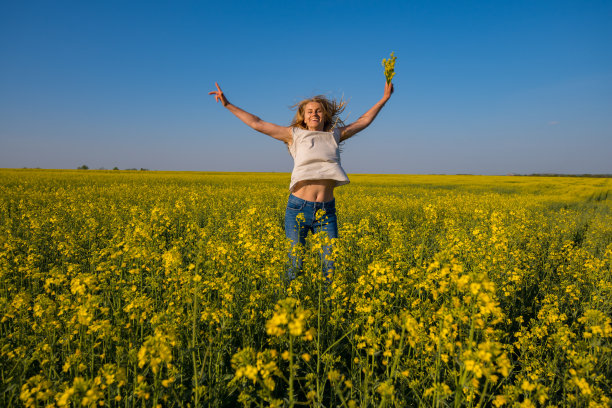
x,y
137,288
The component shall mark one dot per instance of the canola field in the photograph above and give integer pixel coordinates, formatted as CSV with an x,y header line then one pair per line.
x,y
147,289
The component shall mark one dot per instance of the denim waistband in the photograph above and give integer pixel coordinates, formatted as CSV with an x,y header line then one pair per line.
x,y
326,205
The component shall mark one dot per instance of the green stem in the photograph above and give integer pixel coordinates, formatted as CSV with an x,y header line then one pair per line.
x,y
319,396
193,348
291,373
397,355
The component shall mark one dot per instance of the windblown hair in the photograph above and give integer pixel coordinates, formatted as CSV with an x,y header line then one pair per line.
x,y
331,112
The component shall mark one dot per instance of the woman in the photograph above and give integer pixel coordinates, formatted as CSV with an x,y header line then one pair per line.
x,y
312,138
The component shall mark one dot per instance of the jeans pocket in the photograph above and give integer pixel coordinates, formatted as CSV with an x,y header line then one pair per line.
x,y
294,206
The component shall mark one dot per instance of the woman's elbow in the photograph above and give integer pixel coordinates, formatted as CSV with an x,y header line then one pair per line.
x,y
257,124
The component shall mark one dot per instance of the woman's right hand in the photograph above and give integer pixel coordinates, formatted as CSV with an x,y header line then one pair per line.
x,y
219,95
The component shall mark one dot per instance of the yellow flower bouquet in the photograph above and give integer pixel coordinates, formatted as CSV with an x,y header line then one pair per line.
x,y
389,65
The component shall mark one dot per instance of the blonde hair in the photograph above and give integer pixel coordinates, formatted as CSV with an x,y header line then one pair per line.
x,y
331,112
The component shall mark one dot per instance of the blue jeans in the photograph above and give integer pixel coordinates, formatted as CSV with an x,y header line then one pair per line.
x,y
297,227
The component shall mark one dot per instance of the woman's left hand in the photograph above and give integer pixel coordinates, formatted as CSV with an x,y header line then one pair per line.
x,y
388,90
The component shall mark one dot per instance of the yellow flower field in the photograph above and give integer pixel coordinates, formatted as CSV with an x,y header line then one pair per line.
x,y
124,289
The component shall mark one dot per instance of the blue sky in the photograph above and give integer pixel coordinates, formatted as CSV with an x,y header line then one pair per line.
x,y
491,87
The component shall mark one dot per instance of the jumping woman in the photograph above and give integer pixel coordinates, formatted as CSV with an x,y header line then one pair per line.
x,y
312,138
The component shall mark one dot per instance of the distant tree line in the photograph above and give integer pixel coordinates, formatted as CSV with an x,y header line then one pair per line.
x,y
86,167
564,175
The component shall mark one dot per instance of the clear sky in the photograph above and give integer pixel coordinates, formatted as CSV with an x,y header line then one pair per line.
x,y
481,87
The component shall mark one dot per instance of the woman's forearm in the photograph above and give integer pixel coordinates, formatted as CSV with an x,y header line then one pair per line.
x,y
368,117
364,120
278,132
248,118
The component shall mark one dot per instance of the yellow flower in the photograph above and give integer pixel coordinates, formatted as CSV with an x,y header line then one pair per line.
x,y
500,401
584,386
527,386
386,389
334,376
250,372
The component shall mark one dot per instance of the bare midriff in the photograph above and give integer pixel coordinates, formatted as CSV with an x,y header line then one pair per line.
x,y
315,190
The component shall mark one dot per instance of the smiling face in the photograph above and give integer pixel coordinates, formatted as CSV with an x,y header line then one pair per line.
x,y
314,116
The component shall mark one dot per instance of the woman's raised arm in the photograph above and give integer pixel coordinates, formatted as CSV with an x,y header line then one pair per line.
x,y
367,118
281,133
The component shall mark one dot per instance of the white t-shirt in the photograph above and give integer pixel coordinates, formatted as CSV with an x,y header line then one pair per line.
x,y
316,156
